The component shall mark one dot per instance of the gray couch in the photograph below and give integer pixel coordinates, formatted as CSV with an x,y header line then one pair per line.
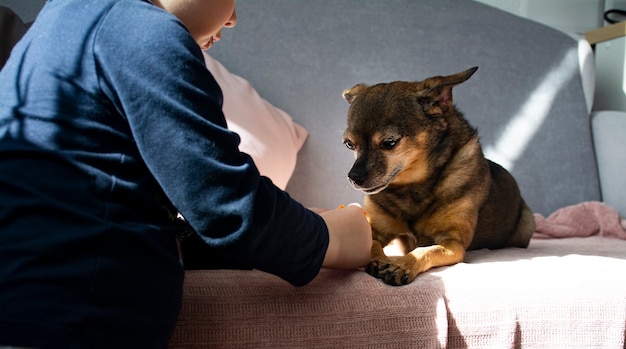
x,y
527,97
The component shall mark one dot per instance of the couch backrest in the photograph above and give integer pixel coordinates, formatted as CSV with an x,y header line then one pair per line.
x,y
526,99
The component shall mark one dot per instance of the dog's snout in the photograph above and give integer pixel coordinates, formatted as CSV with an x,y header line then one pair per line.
x,y
359,174
356,177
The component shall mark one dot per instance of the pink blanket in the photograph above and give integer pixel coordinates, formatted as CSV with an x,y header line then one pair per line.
x,y
565,293
585,219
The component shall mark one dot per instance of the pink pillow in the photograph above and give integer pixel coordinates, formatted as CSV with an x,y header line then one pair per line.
x,y
268,134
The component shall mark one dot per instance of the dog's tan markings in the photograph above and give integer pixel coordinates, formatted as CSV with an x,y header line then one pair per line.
x,y
350,94
384,135
463,171
428,182
386,227
403,270
414,158
447,252
455,221
443,240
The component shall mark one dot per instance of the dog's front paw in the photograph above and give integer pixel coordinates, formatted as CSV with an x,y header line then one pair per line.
x,y
377,265
397,272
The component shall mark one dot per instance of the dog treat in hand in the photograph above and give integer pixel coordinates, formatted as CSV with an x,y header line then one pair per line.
x,y
343,206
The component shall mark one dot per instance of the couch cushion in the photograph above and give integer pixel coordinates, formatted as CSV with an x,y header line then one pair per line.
x,y
526,99
609,134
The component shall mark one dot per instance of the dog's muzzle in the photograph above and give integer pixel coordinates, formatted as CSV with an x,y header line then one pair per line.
x,y
359,181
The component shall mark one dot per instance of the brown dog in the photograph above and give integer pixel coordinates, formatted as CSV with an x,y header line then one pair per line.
x,y
427,181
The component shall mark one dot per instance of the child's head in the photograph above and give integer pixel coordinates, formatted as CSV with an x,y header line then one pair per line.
x,y
203,18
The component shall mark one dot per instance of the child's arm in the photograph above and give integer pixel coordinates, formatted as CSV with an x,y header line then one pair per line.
x,y
350,238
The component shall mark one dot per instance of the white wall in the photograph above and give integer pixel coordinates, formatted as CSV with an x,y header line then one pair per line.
x,y
571,16
618,4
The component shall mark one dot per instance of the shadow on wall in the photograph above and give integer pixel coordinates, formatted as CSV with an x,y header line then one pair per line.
x,y
524,125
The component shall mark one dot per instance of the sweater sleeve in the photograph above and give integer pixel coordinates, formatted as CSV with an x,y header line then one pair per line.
x,y
154,74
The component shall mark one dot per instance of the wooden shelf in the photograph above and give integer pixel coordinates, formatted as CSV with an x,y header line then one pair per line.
x,y
609,32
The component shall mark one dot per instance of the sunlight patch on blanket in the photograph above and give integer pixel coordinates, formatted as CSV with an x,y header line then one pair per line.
x,y
519,132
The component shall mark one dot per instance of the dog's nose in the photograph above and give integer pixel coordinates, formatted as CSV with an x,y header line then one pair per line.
x,y
356,178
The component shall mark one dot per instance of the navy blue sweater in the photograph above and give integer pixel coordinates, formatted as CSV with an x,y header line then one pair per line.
x,y
110,124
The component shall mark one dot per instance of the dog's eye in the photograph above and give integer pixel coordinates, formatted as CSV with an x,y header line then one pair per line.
x,y
388,144
349,145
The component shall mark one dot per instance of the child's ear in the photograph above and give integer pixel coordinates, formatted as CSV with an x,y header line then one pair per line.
x,y
351,93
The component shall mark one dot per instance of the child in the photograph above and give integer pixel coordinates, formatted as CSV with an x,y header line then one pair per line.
x,y
110,124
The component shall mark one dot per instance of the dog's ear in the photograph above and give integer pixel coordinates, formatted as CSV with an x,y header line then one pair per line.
x,y
351,93
438,91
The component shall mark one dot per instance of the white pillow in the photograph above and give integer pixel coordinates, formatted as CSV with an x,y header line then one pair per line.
x,y
268,134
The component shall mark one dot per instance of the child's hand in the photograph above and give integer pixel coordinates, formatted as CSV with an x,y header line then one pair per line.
x,y
350,237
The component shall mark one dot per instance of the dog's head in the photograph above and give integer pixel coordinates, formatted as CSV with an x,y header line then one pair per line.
x,y
394,127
